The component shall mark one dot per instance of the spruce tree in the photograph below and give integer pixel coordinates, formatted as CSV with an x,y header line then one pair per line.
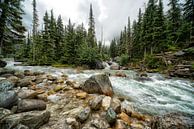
x,y
91,30
189,18
174,22
11,27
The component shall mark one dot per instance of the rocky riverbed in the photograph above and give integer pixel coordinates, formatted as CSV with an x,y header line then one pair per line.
x,y
33,100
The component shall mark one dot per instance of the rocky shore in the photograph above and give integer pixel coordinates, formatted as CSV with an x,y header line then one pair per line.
x,y
33,100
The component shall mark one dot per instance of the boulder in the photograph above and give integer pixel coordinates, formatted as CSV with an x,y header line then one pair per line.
x,y
96,103
4,113
30,104
120,74
27,94
99,65
28,73
84,114
114,67
8,99
98,84
32,120
143,79
106,101
6,85
116,105
172,121
127,108
13,79
25,82
111,116
3,63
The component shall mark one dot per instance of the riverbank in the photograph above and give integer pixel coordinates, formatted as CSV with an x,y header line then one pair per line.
x,y
63,103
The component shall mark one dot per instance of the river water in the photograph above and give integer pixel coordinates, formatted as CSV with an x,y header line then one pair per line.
x,y
158,96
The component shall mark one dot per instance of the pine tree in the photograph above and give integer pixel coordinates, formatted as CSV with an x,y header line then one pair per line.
x,y
159,27
11,27
174,22
34,29
189,18
113,49
59,38
129,42
91,30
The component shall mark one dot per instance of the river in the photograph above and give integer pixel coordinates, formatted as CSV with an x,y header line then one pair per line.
x,y
158,96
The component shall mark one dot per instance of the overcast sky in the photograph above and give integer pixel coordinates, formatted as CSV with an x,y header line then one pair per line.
x,y
111,15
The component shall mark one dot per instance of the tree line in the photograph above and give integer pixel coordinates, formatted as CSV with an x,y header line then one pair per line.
x,y
156,31
63,44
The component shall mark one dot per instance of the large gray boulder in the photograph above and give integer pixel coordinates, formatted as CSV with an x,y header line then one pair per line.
x,y
4,112
6,85
98,84
8,99
32,120
30,104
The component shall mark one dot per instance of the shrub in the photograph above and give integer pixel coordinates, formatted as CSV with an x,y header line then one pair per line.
x,y
124,59
153,62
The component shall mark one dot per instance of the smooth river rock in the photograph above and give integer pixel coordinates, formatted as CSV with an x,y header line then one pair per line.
x,y
8,99
98,84
32,120
6,85
31,104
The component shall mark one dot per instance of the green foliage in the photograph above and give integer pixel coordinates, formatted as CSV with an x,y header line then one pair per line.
x,y
11,27
124,59
153,62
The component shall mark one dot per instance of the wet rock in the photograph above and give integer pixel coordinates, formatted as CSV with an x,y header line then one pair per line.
x,y
27,94
116,105
143,74
172,121
33,120
71,123
13,79
25,82
4,113
84,114
106,101
123,116
28,73
3,63
19,75
96,103
120,74
142,79
81,95
98,84
30,104
8,99
99,65
7,75
51,78
137,126
70,83
127,108
120,124
6,85
111,116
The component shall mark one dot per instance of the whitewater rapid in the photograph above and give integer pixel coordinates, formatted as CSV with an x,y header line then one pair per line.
x,y
158,96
